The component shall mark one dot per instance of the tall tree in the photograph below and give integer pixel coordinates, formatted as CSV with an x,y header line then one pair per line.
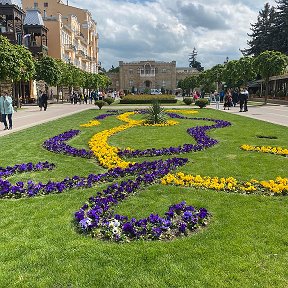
x,y
10,68
193,62
280,31
48,70
206,81
216,75
270,63
262,37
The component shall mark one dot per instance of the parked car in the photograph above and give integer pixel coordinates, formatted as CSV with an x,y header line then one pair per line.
x,y
155,92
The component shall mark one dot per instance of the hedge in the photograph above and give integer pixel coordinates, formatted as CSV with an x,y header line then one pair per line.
x,y
147,99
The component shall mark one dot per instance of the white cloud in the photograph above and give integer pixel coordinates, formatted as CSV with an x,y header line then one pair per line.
x,y
166,30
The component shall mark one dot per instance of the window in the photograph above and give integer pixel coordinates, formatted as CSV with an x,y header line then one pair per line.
x,y
163,70
35,5
130,83
130,71
45,4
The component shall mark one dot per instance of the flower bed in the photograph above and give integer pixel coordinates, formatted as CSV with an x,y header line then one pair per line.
x,y
279,186
96,217
31,189
198,133
57,144
266,149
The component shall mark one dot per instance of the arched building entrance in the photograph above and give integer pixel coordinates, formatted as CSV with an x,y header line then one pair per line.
x,y
147,84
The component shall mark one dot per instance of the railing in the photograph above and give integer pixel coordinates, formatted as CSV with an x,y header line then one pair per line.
x,y
69,47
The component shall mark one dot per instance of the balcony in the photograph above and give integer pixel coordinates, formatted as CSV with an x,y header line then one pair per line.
x,y
85,59
69,47
37,51
80,53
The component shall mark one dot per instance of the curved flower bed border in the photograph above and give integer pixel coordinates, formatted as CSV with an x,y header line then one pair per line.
x,y
25,167
279,186
91,123
31,189
266,149
198,133
57,144
97,219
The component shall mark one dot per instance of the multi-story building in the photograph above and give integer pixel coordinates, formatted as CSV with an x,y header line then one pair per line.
x,y
146,75
11,21
72,33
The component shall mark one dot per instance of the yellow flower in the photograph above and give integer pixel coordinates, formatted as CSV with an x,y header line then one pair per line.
x,y
91,123
182,111
266,149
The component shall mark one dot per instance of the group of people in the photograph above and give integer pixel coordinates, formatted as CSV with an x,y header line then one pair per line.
x,y
6,110
230,98
78,98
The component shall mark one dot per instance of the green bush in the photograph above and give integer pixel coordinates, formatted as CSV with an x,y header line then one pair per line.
x,y
188,101
201,102
100,103
156,114
109,100
148,99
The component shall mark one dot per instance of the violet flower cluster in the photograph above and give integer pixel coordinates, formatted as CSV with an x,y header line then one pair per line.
x,y
105,115
57,144
97,218
25,167
203,141
31,189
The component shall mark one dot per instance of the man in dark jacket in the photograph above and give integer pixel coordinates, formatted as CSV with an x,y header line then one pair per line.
x,y
44,100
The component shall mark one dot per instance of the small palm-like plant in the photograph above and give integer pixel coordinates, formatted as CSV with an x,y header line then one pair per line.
x,y
155,114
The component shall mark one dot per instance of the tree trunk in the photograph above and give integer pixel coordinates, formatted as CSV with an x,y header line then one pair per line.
x,y
266,91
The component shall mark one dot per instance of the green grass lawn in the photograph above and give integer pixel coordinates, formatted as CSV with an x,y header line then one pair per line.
x,y
244,245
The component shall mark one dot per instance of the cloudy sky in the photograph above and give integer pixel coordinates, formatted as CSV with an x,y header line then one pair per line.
x,y
167,30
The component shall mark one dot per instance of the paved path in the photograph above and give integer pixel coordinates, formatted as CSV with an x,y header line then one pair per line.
x,y
30,116
277,114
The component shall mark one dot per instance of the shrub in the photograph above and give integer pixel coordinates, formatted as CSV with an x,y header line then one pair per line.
x,y
188,101
201,102
156,114
147,99
100,103
109,100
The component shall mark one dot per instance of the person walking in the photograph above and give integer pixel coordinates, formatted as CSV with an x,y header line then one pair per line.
x,y
40,102
246,96
227,100
217,99
241,99
235,97
6,108
44,99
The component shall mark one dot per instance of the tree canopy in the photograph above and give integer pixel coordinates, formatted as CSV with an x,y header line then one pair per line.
x,y
270,63
193,62
270,32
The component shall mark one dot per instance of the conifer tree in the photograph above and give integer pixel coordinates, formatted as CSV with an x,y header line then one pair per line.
x,y
193,62
262,32
281,27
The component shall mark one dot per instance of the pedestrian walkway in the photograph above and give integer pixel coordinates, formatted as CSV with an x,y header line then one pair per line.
x,y
274,113
30,116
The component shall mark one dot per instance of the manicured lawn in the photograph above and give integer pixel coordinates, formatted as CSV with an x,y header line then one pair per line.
x,y
244,245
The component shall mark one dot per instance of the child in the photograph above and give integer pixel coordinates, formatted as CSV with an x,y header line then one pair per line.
x,y
227,100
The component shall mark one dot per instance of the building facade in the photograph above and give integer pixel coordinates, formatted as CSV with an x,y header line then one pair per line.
x,y
72,33
143,76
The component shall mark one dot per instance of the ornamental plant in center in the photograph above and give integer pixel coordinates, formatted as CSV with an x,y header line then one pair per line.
x,y
155,114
